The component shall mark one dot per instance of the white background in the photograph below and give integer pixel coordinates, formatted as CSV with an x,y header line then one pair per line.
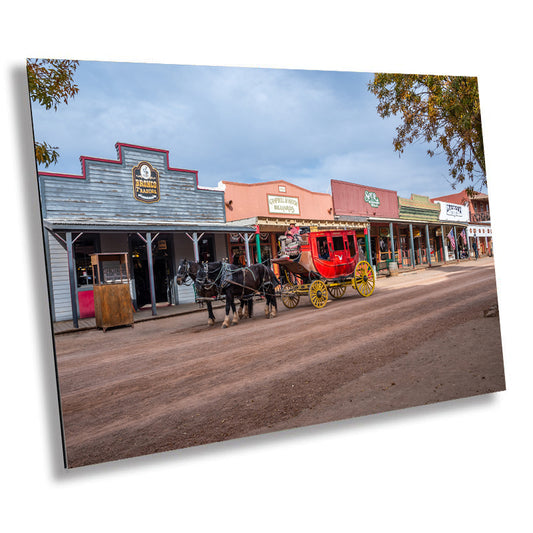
x,y
459,466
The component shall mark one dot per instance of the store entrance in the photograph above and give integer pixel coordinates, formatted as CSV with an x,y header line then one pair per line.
x,y
163,269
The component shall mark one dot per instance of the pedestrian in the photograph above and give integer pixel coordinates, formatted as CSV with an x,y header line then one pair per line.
x,y
474,246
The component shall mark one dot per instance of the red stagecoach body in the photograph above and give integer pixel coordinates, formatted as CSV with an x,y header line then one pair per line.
x,y
330,254
322,262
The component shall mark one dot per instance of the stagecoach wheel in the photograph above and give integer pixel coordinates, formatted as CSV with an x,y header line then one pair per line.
x,y
289,296
337,291
318,293
364,280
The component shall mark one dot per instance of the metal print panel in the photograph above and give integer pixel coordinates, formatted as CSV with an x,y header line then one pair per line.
x,y
191,306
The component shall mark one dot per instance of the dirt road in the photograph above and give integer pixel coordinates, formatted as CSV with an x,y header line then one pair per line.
x,y
176,382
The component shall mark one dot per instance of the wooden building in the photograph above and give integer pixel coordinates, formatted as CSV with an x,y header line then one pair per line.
x,y
407,231
479,224
271,206
137,204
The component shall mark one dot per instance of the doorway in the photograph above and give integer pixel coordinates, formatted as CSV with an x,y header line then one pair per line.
x,y
162,254
206,248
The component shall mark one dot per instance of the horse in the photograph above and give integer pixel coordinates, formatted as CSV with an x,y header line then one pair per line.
x,y
206,279
242,282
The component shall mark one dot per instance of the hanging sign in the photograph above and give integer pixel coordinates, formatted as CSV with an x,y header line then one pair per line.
x,y
145,183
286,205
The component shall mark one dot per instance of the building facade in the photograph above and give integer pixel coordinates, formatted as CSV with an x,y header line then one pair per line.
x,y
270,207
406,231
137,204
479,225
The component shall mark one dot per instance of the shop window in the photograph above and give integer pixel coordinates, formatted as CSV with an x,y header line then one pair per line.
x,y
83,248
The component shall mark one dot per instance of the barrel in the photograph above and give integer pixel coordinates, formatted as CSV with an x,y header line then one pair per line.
x,y
393,268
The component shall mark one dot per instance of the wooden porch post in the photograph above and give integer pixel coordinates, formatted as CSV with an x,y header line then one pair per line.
x,y
247,249
443,244
72,278
391,233
151,271
412,243
195,247
428,250
368,246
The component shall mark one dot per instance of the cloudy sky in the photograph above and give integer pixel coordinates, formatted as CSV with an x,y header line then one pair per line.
x,y
240,124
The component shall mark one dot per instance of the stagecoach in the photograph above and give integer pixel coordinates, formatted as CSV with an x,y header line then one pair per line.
x,y
321,262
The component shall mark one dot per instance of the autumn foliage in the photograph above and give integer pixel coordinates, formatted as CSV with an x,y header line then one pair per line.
x,y
50,83
440,110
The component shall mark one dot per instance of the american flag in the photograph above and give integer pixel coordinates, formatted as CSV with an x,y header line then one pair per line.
x,y
452,240
463,235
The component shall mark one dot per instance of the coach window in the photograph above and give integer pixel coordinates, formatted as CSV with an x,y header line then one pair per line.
x,y
351,245
338,244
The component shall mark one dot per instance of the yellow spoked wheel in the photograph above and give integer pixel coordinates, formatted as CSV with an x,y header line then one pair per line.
x,y
289,296
364,280
337,291
318,293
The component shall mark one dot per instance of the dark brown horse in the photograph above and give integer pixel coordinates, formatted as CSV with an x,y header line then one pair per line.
x,y
246,282
206,278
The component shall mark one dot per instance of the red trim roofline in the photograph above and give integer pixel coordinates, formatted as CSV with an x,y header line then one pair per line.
x,y
118,147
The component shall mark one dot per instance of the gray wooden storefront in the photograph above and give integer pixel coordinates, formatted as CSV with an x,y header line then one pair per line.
x,y
137,202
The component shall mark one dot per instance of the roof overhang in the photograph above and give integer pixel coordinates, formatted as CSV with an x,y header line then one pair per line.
x,y
113,226
409,221
276,224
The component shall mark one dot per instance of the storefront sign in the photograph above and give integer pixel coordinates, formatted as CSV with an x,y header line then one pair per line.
x,y
145,183
286,205
453,212
372,199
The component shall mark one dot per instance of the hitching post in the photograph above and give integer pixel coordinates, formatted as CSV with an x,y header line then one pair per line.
x,y
72,279
151,271
412,244
428,251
